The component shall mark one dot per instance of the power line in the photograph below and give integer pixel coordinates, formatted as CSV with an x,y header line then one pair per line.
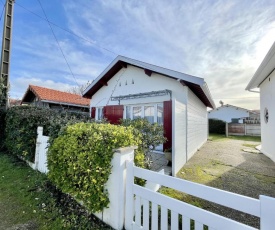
x,y
66,30
58,42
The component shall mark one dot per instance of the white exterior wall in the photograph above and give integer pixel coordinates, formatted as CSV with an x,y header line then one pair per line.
x,y
179,133
225,113
267,100
197,124
121,84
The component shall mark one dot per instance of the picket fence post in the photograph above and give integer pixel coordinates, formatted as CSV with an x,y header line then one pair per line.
x,y
267,220
114,215
37,148
129,207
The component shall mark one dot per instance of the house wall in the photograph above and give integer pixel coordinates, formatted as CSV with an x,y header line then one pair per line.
x,y
133,80
179,135
197,124
267,100
225,113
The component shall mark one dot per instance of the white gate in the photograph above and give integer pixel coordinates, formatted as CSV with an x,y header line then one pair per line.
x,y
146,209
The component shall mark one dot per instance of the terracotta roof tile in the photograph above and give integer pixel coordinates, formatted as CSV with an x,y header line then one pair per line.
x,y
58,96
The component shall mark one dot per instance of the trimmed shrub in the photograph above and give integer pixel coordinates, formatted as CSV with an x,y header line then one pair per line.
x,y
2,127
22,123
216,126
151,136
79,160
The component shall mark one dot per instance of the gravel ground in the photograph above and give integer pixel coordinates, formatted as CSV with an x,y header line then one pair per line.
x,y
224,164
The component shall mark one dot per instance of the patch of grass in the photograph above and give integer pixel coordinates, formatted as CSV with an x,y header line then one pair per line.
x,y
246,138
197,174
182,196
26,196
250,145
21,198
219,137
265,178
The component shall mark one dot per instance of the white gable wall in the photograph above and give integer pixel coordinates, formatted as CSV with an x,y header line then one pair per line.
x,y
226,114
197,124
267,100
133,80
121,84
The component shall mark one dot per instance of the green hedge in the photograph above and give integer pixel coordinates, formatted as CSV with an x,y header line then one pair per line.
x,y
79,160
216,126
2,127
22,123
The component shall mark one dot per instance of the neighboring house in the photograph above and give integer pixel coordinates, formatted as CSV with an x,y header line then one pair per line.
x,y
54,99
14,102
231,113
264,79
129,88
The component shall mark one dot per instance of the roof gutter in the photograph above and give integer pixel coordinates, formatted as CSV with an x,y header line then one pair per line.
x,y
64,103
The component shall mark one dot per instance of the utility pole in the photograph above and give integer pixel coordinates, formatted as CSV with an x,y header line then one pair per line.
x,y
5,54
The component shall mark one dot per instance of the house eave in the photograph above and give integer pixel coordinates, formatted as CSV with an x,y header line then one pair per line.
x,y
65,103
196,84
266,68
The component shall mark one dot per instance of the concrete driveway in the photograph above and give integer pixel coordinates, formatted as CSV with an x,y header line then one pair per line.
x,y
234,166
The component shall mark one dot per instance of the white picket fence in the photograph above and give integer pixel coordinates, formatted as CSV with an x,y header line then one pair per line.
x,y
40,160
142,205
135,207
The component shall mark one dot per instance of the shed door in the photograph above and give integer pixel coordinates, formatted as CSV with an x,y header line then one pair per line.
x,y
113,113
167,124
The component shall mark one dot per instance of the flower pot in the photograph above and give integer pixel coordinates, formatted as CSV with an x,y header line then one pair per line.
x,y
168,156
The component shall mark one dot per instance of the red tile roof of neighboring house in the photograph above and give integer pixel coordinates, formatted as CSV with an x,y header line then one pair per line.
x,y
51,95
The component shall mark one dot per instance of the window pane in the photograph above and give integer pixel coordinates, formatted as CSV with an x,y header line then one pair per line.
x,y
128,112
149,113
136,112
99,114
160,114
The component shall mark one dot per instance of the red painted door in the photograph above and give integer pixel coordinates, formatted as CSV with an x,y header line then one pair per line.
x,y
93,112
167,124
113,113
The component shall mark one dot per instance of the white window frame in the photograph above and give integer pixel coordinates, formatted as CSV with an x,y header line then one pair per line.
x,y
155,105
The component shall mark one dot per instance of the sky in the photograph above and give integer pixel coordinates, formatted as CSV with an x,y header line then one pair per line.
x,y
222,41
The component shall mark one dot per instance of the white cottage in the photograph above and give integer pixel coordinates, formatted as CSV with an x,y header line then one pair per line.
x,y
129,88
228,113
264,79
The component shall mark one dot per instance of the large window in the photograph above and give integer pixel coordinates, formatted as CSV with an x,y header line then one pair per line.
x,y
152,112
149,113
137,112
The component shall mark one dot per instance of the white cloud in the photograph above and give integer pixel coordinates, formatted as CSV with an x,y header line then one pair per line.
x,y
223,41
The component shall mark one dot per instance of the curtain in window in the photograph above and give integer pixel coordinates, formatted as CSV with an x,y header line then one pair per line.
x,y
136,112
149,113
